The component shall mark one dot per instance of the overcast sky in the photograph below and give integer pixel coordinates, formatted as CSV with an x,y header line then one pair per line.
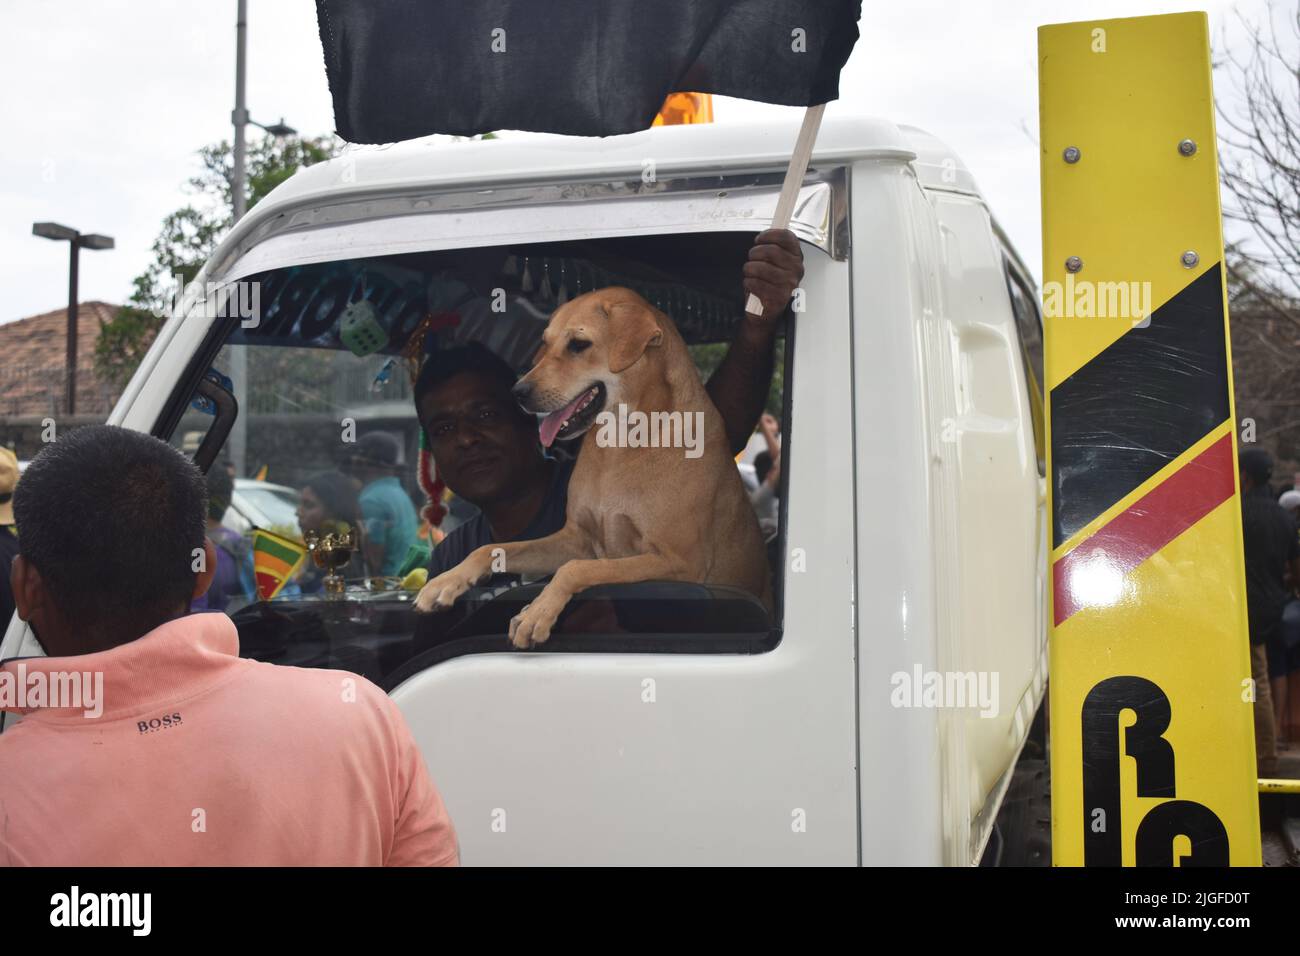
x,y
104,104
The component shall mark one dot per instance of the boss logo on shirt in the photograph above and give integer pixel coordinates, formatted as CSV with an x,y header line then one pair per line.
x,y
165,722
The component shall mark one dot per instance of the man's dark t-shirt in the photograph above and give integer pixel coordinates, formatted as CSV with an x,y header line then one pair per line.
x,y
1269,543
475,533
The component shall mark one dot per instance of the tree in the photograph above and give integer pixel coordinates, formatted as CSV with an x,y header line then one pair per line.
x,y
1260,170
708,357
189,235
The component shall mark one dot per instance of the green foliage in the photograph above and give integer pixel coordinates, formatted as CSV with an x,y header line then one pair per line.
x,y
268,162
122,343
707,358
188,237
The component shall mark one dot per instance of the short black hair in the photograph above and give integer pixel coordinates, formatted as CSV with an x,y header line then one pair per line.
x,y
762,465
110,518
471,357
1257,463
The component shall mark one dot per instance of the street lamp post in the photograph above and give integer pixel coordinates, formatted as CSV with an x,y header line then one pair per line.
x,y
240,117
76,241
238,175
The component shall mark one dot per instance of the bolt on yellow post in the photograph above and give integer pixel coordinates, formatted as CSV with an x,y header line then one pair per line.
x,y
1153,760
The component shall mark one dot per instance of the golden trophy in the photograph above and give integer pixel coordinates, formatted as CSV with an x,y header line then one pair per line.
x,y
330,552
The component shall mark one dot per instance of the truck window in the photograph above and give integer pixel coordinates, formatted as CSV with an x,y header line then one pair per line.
x,y
327,438
1029,331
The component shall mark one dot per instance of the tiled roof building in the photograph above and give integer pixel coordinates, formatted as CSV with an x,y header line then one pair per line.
x,y
32,355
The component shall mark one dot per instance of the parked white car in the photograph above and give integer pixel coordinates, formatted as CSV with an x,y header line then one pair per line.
x,y
261,504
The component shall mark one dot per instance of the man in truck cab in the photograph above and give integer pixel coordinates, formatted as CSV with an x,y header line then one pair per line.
x,y
486,447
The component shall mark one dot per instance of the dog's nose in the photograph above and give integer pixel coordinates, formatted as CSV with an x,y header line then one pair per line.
x,y
522,392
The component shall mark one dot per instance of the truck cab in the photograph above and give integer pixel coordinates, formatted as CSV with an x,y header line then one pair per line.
x,y
877,715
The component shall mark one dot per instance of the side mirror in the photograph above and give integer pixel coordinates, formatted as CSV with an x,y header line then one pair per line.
x,y
226,411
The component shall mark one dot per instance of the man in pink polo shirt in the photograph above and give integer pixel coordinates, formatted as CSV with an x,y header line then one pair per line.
x,y
145,739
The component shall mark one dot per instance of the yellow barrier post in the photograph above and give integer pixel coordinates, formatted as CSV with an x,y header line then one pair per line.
x,y
1153,757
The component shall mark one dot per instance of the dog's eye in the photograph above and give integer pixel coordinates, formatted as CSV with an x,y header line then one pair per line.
x,y
577,346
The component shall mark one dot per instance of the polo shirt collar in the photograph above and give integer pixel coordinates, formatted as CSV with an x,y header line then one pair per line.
x,y
183,658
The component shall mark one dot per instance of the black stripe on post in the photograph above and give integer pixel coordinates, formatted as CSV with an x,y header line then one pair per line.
x,y
1138,405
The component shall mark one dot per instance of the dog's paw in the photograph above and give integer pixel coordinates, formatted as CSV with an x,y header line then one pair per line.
x,y
441,593
532,625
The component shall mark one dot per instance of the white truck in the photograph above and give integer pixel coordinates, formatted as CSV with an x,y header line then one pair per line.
x,y
878,719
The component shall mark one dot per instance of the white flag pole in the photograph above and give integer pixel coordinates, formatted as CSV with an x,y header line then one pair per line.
x,y
803,147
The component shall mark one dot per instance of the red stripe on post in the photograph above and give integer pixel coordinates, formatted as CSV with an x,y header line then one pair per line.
x,y
1094,570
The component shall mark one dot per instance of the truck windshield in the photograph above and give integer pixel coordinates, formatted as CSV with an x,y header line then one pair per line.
x,y
327,439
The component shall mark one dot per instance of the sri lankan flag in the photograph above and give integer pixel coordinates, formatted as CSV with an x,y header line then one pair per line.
x,y
275,559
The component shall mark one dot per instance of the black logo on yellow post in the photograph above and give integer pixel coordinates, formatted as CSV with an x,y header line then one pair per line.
x,y
1105,743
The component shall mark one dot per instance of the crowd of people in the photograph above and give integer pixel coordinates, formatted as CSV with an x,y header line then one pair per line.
x,y
1271,543
362,495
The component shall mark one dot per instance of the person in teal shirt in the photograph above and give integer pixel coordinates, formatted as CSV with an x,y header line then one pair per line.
x,y
392,524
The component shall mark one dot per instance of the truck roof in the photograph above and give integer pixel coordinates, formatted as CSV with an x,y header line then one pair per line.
x,y
703,148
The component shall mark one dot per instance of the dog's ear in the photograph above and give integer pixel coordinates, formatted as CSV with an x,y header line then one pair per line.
x,y
633,328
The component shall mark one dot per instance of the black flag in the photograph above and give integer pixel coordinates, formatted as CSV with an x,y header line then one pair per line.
x,y
405,68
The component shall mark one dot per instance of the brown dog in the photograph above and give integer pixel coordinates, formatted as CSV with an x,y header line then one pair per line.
x,y
662,502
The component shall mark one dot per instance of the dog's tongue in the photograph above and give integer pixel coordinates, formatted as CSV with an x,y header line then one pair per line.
x,y
550,426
